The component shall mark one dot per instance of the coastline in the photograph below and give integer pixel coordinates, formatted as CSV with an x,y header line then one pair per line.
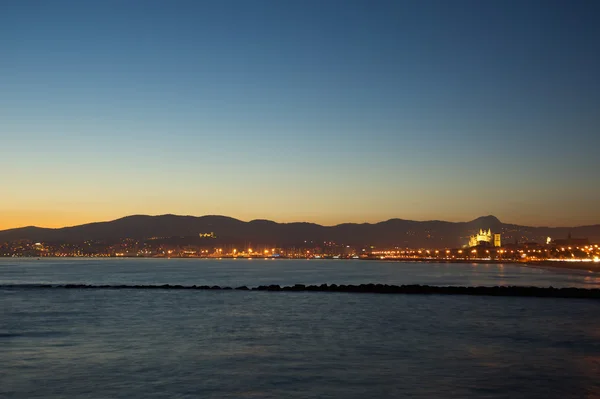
x,y
590,267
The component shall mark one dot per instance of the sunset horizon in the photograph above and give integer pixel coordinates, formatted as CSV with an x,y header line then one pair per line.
x,y
299,199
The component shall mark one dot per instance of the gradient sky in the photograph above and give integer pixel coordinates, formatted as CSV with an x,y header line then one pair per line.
x,y
326,111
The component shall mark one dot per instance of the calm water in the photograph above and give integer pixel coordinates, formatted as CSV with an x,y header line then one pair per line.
x,y
252,272
137,344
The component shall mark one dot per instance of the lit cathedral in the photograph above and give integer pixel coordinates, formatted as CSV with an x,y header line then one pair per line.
x,y
485,238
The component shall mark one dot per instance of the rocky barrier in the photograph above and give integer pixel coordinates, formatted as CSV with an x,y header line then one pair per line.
x,y
515,291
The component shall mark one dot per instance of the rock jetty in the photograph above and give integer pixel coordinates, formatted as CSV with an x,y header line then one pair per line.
x,y
515,291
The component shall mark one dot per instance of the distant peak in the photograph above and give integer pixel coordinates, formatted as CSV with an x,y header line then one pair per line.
x,y
265,221
487,219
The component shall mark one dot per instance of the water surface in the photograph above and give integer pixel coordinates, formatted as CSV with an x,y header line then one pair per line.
x,y
215,344
252,272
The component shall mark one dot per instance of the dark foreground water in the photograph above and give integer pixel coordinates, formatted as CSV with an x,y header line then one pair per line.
x,y
57,343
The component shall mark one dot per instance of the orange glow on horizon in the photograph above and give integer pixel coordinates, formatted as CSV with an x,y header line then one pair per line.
x,y
17,219
52,218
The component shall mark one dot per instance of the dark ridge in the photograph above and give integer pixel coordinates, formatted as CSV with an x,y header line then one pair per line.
x,y
540,292
230,231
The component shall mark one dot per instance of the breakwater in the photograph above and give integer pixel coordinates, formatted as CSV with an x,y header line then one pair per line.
x,y
515,291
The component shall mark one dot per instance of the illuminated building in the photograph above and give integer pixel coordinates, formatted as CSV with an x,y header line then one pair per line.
x,y
497,240
485,238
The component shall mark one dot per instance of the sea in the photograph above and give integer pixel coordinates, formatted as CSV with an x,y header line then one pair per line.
x,y
126,343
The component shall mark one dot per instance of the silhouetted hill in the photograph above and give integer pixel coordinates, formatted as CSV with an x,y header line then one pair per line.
x,y
393,232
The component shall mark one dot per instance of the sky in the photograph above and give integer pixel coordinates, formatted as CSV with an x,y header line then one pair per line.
x,y
325,111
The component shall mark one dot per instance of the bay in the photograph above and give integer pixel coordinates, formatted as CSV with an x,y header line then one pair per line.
x,y
57,343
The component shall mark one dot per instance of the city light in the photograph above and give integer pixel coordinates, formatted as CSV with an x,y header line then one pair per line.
x,y
152,247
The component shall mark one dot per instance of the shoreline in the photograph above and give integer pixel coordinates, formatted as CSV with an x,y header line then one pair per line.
x,y
590,267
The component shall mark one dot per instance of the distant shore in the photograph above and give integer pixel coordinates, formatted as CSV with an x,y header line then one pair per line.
x,y
593,267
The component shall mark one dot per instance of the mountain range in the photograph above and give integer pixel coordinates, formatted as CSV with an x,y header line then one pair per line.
x,y
393,232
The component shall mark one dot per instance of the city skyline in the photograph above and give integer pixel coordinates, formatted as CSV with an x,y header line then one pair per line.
x,y
343,111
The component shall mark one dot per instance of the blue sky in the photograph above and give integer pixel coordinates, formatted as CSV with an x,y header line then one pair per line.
x,y
327,111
